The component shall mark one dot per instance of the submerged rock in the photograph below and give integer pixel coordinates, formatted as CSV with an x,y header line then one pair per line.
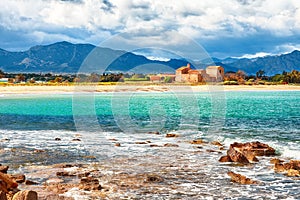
x,y
238,178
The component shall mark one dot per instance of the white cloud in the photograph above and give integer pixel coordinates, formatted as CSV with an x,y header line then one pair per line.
x,y
200,20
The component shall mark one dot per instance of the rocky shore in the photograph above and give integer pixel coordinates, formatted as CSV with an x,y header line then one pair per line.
x,y
152,176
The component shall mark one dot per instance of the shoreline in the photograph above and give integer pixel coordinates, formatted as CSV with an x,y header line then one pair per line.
x,y
63,89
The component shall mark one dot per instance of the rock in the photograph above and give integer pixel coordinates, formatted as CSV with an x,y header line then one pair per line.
x,y
198,141
154,178
2,195
291,168
247,152
171,145
39,151
276,161
64,173
225,159
154,145
57,139
4,169
236,156
169,135
89,184
238,178
117,144
141,142
154,132
19,178
216,143
29,182
293,172
26,195
9,182
76,140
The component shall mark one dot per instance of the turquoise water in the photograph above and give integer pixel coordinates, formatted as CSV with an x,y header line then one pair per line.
x,y
273,117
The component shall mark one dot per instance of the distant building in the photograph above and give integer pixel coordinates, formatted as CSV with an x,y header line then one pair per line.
x,y
162,77
210,74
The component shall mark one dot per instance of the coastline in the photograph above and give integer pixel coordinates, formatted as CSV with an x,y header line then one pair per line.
x,y
61,89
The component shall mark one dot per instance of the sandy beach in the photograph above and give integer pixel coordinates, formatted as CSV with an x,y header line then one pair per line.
x,y
138,88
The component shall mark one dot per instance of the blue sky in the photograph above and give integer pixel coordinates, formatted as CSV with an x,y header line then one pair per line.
x,y
237,28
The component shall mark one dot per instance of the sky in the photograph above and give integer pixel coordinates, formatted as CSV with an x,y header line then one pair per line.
x,y
222,28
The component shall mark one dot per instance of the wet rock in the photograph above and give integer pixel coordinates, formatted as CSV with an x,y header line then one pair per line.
x,y
276,161
171,145
7,182
89,184
293,172
154,178
57,139
238,178
19,178
2,195
117,144
247,152
141,142
25,195
4,169
39,151
169,135
154,132
29,182
236,156
64,173
154,145
225,159
198,141
291,168
76,140
216,143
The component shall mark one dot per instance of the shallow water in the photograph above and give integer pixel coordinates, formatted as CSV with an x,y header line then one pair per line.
x,y
30,122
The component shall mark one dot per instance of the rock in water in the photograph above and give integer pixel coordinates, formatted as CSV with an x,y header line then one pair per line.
x,y
2,195
238,178
25,195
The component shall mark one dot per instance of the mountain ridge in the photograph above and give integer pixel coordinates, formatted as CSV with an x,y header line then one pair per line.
x,y
66,57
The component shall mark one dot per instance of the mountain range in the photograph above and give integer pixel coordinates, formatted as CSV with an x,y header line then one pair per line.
x,y
65,57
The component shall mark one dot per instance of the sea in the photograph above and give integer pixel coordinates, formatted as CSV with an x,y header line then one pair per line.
x,y
51,122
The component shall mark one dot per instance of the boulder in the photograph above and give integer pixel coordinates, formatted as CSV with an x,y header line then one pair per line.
x,y
19,178
154,132
3,169
7,181
89,184
171,145
276,161
225,159
2,195
291,168
238,178
293,172
25,195
216,143
117,144
247,152
198,141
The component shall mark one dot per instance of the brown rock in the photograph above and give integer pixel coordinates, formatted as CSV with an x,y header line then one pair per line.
x,y
19,178
216,143
29,182
8,181
154,145
89,184
2,195
238,178
236,156
64,173
4,169
39,151
278,167
198,141
154,178
171,145
259,149
26,195
295,164
141,142
154,132
117,144
225,159
276,161
57,139
293,172
76,140
168,135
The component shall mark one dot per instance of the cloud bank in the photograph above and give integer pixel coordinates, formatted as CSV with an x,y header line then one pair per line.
x,y
223,28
